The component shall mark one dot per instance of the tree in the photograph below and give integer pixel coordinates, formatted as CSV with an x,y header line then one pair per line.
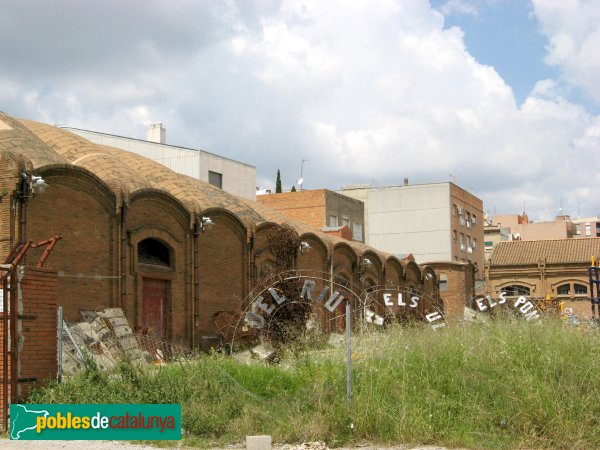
x,y
278,183
293,188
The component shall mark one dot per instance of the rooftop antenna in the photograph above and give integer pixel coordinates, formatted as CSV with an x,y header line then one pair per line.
x,y
560,210
578,209
301,179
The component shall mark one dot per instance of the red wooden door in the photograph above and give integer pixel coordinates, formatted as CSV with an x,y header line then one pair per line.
x,y
154,306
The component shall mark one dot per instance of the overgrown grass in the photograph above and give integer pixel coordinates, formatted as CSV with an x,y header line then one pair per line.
x,y
509,384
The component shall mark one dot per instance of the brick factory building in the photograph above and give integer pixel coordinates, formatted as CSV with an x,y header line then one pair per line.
x,y
557,267
133,235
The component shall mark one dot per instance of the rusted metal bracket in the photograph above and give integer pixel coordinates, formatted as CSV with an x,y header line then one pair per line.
x,y
49,243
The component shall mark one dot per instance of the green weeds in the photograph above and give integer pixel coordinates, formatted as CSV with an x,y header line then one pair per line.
x,y
509,384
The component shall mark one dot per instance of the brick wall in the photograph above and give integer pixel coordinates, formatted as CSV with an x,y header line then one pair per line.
x,y
76,208
222,273
460,283
9,181
303,206
37,331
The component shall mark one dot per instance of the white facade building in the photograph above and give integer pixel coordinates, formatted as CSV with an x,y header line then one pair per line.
x,y
232,176
434,221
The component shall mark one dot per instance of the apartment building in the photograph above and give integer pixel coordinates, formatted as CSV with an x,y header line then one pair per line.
x,y
433,221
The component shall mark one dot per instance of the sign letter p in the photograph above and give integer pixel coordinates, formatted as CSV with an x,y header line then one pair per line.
x,y
40,423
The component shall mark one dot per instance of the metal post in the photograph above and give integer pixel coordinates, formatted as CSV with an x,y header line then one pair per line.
x,y
348,353
59,345
5,333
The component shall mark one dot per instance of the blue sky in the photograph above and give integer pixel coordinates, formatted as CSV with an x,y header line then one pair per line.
x,y
502,94
505,35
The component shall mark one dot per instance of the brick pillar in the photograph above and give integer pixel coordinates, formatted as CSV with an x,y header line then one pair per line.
x,y
37,328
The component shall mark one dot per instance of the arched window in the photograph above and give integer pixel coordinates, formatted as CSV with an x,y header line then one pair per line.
x,y
581,289
563,289
267,269
515,290
153,252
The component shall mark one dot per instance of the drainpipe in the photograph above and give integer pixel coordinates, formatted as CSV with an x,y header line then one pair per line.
x,y
5,335
23,216
123,262
196,302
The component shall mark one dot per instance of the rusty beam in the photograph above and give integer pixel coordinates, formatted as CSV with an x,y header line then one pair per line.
x,y
49,243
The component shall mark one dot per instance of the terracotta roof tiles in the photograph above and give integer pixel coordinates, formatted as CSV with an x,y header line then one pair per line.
x,y
557,251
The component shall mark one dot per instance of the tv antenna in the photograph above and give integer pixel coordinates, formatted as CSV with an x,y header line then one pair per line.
x,y
300,180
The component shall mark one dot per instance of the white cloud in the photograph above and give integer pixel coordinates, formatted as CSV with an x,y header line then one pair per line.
x,y
363,90
573,30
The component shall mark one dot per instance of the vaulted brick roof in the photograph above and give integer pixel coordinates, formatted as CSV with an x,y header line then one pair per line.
x,y
557,251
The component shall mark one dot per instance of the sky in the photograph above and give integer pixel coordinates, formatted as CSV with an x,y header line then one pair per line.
x,y
500,96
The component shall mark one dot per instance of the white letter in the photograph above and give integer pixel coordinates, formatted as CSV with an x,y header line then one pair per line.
x,y
491,302
96,421
323,294
432,317
520,301
482,307
502,298
387,299
332,303
526,308
400,300
254,320
260,303
307,289
276,296
414,301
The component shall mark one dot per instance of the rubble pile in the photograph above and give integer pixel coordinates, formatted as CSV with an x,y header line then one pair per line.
x,y
103,337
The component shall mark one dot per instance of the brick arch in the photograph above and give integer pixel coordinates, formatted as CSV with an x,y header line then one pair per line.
x,y
412,274
375,269
154,214
344,261
429,281
222,274
264,260
168,203
394,272
79,207
315,259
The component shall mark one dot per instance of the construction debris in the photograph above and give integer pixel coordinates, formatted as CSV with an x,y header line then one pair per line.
x,y
103,337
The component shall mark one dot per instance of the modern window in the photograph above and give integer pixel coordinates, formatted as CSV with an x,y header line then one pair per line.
x,y
473,220
474,244
454,209
333,221
578,230
215,178
516,290
345,221
455,235
588,229
462,242
468,220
